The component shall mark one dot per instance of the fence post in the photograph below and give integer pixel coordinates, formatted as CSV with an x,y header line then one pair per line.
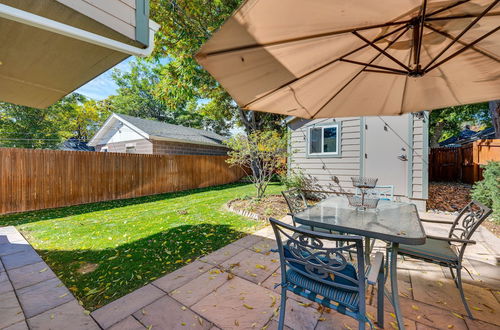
x,y
475,160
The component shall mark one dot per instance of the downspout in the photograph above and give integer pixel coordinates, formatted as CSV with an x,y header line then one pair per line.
x,y
43,23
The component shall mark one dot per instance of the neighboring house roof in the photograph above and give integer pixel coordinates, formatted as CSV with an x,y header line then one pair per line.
x,y
155,130
73,144
467,136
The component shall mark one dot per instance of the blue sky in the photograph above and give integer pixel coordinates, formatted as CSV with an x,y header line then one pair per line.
x,y
103,86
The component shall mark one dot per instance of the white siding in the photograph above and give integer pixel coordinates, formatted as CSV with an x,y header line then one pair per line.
x,y
418,176
120,133
118,15
322,170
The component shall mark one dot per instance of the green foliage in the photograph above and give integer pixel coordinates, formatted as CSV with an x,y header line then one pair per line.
x,y
140,94
487,191
261,154
185,26
72,116
447,122
126,244
294,179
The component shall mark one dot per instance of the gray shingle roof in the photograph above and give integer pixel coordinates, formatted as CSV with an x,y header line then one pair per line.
x,y
177,132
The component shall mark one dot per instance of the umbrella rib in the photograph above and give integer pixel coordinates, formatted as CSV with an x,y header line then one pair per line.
x,y
420,33
374,65
493,4
385,71
446,8
321,67
380,50
463,49
357,74
314,36
449,36
447,18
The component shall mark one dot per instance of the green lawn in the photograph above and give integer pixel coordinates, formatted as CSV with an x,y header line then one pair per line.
x,y
103,251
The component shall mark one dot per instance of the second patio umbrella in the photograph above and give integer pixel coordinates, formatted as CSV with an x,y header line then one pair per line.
x,y
337,58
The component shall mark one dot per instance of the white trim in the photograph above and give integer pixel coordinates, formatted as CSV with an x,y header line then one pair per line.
x,y
104,149
44,23
322,153
106,126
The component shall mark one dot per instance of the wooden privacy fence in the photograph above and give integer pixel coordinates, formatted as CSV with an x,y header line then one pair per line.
x,y
462,163
39,179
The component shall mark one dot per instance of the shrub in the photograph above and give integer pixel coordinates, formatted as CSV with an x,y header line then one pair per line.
x,y
260,155
294,179
487,191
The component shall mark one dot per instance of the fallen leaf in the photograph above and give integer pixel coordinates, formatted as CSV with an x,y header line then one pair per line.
x,y
457,315
248,306
43,270
415,307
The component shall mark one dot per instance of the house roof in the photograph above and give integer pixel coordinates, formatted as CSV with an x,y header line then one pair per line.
x,y
73,144
467,136
155,130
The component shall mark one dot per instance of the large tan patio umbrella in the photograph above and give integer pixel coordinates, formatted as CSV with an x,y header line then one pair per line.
x,y
337,58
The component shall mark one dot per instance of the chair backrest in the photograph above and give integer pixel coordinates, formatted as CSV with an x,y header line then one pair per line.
x,y
382,192
469,220
305,252
295,200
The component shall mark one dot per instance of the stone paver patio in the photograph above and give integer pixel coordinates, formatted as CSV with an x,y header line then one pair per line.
x,y
233,288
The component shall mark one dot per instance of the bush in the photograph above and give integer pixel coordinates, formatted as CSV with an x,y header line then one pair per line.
x,y
487,191
295,179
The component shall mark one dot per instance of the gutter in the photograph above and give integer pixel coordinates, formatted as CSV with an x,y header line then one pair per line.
x,y
43,23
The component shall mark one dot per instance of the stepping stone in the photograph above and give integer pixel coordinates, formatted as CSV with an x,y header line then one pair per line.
x,y
18,326
248,241
130,323
43,296
264,246
166,313
200,287
5,285
20,259
428,315
31,274
11,248
181,276
238,304
252,266
300,315
221,255
121,308
10,311
62,316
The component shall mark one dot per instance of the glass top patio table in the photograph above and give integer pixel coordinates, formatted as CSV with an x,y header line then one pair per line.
x,y
391,221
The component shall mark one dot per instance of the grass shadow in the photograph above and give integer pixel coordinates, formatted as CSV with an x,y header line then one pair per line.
x,y
115,272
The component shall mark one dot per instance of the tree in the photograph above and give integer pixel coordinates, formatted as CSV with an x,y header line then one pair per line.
x,y
140,94
27,127
447,122
494,107
263,152
185,26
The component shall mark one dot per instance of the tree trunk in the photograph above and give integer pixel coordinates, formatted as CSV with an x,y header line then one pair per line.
x,y
495,116
436,136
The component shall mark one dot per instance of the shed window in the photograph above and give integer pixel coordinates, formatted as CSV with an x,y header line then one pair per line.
x,y
130,149
104,149
324,140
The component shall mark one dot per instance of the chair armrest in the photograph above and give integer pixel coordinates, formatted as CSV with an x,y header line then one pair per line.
x,y
376,268
448,239
437,221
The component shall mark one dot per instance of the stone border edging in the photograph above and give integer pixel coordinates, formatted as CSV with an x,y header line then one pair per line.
x,y
248,214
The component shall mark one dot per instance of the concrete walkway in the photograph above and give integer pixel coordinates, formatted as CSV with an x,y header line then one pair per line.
x,y
31,296
233,288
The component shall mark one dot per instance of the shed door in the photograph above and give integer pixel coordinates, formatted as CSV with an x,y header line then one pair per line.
x,y
386,148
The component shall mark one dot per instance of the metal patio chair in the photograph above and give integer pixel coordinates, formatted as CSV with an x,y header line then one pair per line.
x,y
449,251
322,274
296,201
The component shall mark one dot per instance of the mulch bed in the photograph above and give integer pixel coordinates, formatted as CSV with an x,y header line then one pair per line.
x,y
268,206
448,197
452,197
